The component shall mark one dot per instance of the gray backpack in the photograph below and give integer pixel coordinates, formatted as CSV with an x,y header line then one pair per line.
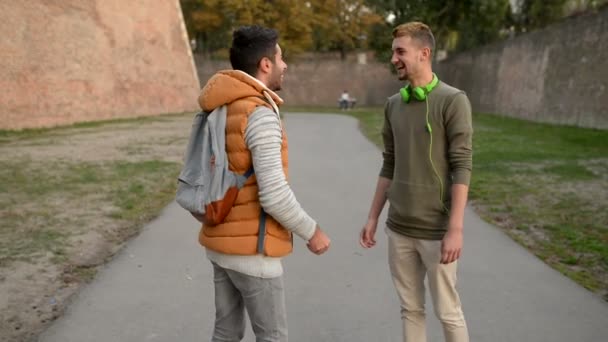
x,y
206,187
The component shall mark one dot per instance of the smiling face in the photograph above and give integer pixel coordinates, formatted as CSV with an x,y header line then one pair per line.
x,y
413,44
409,57
275,79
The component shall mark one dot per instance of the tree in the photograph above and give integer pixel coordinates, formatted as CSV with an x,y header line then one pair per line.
x,y
342,25
295,23
454,23
204,23
346,25
211,22
318,25
483,22
534,14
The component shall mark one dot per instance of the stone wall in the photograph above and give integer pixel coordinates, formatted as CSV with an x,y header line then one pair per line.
x,y
319,81
557,75
67,61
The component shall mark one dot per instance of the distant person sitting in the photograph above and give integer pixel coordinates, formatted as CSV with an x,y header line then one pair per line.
x,y
345,101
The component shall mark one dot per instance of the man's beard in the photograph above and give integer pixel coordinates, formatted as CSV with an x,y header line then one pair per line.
x,y
276,87
405,76
275,84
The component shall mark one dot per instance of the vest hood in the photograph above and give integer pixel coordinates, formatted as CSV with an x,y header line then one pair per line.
x,y
227,86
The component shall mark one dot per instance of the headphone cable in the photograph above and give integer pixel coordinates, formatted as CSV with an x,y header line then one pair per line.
x,y
430,130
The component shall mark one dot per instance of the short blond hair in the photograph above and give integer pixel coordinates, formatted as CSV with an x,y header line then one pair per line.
x,y
418,31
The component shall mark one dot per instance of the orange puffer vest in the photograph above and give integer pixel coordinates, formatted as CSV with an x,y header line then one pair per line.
x,y
247,230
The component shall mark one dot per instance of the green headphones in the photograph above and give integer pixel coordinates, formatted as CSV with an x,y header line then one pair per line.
x,y
419,93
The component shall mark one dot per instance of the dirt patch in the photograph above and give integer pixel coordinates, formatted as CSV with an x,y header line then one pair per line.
x,y
35,294
66,208
133,142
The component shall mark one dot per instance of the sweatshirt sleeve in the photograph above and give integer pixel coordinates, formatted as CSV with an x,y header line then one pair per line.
x,y
459,131
263,137
388,155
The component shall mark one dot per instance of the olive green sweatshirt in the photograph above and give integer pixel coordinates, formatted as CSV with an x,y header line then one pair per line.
x,y
418,208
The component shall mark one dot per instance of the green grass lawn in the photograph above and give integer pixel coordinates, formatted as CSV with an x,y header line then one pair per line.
x,y
545,185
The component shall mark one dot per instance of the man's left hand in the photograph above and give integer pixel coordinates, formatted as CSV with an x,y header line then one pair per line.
x,y
451,246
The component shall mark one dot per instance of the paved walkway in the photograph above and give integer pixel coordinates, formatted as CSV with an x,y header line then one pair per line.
x,y
159,288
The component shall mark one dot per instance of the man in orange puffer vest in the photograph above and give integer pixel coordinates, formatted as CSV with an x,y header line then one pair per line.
x,y
246,248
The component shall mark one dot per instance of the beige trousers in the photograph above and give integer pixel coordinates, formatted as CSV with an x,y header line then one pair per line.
x,y
410,260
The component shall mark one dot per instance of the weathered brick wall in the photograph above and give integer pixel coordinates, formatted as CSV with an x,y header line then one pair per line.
x,y
320,81
66,61
557,75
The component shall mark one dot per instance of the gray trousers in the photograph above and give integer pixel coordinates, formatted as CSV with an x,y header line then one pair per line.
x,y
264,300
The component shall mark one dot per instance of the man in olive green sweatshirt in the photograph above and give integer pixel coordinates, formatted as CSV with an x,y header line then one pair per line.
x,y
425,177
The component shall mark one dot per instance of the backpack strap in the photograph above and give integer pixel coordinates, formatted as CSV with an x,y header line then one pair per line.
x,y
248,173
271,102
262,233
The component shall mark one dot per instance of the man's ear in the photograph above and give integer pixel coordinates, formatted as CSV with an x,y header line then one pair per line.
x,y
425,53
265,65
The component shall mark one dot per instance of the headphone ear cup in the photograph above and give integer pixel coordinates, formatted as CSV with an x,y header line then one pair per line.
x,y
405,94
419,94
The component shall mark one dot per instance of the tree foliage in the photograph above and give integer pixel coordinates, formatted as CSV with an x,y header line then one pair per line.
x,y
315,25
456,24
342,25
211,22
534,14
346,25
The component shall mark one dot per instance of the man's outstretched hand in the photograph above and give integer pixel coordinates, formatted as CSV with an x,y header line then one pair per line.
x,y
319,243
